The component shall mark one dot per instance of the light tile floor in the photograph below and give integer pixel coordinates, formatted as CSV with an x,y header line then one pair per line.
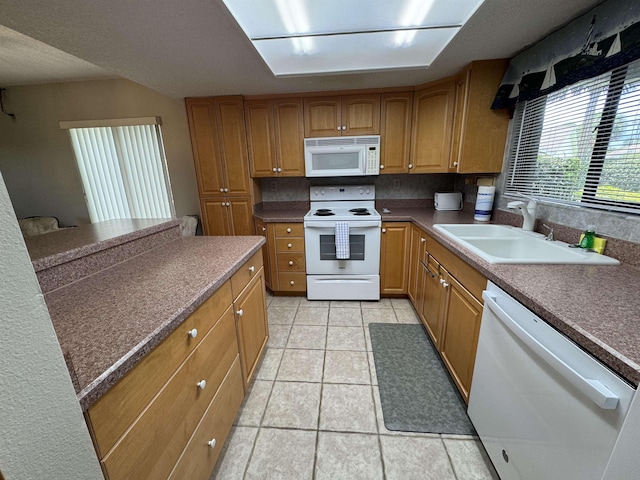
x,y
313,411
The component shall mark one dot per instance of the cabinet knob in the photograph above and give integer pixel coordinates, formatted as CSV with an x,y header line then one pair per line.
x,y
339,128
222,190
226,190
384,230
201,384
240,312
291,263
381,167
422,239
279,169
193,333
288,230
264,229
444,284
411,165
274,169
289,245
344,127
212,443
228,204
223,204
455,164
252,269
292,282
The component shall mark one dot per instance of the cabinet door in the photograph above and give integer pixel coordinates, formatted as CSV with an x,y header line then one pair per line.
x,y
462,316
418,243
432,127
260,138
395,132
394,257
261,229
204,141
433,294
482,132
322,117
240,211
233,144
251,326
460,113
215,218
361,114
289,136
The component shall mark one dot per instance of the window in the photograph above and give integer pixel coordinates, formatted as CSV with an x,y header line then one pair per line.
x,y
581,145
123,169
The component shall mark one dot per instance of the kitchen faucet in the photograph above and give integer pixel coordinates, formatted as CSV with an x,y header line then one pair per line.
x,y
528,211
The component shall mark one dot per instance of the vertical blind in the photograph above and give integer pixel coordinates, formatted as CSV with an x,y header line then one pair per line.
x,y
123,171
581,145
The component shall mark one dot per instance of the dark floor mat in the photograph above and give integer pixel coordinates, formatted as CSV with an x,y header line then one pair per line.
x,y
416,391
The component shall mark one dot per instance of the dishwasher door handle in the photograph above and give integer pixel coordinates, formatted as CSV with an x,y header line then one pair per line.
x,y
593,389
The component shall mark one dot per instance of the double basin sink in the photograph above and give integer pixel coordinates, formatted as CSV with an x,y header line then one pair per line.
x,y
505,244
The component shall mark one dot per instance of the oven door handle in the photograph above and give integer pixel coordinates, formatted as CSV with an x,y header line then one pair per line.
x,y
352,225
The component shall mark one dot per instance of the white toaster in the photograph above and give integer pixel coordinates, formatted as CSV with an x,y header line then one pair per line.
x,y
448,200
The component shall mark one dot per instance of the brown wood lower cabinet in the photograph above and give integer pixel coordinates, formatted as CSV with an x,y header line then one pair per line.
x,y
287,257
154,422
445,292
227,215
394,260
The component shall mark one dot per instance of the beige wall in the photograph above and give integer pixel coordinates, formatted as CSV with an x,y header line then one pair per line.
x,y
36,158
43,431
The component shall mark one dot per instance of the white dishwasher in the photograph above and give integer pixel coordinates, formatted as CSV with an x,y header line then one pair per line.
x,y
543,408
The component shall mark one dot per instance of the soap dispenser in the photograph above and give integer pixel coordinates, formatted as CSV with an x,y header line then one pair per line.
x,y
589,235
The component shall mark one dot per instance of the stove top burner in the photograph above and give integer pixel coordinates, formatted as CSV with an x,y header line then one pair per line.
x,y
358,210
324,212
366,212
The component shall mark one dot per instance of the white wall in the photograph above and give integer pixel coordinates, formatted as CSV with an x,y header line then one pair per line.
x,y
36,157
43,433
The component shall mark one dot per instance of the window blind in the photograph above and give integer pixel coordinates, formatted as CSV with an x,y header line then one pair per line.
x,y
581,145
123,172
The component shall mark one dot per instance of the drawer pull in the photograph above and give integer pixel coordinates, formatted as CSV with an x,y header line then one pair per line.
x,y
193,333
291,263
201,384
264,229
288,230
252,269
240,312
384,230
422,239
274,169
292,282
289,245
212,443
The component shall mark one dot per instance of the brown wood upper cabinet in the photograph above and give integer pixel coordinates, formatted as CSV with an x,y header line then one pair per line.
x,y
219,145
395,131
479,133
343,115
432,128
275,137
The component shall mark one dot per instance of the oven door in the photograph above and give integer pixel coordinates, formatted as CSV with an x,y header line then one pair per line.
x,y
364,246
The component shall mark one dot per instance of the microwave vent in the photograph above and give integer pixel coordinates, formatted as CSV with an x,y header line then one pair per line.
x,y
341,141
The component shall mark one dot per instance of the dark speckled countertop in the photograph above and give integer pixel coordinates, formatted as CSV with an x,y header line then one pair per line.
x,y
108,321
596,306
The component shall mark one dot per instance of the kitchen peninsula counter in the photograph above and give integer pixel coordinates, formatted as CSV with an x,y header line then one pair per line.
x,y
598,307
106,322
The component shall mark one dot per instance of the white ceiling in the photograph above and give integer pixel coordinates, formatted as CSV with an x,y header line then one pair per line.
x,y
195,48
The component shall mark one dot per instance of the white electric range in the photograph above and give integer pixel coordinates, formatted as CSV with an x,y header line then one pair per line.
x,y
356,277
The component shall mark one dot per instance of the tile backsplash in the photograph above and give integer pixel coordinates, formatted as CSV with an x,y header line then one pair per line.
x,y
295,189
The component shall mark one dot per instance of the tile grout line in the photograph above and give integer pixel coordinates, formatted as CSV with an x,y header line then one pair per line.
x,y
324,361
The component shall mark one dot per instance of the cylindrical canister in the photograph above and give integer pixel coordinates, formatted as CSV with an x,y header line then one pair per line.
x,y
484,203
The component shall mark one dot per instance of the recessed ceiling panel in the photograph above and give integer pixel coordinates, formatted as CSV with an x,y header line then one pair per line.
x,y
300,37
354,52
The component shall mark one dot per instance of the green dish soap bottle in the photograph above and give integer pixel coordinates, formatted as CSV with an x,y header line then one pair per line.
x,y
587,239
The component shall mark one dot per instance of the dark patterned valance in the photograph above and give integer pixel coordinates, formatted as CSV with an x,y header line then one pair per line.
x,y
604,38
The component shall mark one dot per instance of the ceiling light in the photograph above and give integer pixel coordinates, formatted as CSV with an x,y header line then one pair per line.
x,y
302,37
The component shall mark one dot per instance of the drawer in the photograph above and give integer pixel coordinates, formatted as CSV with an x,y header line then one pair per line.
x,y
115,411
299,280
152,446
291,262
289,230
200,456
242,277
293,244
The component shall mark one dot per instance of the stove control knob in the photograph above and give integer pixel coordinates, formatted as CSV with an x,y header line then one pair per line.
x,y
368,190
322,192
361,191
316,192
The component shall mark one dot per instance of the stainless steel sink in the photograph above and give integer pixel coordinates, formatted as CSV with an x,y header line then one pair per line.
x,y
505,244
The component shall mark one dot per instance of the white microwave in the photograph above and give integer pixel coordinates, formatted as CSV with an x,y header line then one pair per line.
x,y
342,156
